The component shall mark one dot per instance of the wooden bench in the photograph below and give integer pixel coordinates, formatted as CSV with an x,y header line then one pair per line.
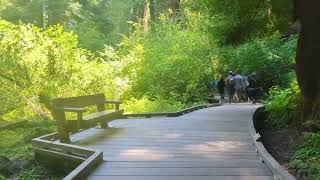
x,y
77,105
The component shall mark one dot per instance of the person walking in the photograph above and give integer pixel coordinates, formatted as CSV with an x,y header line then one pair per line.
x,y
239,86
230,85
253,88
221,88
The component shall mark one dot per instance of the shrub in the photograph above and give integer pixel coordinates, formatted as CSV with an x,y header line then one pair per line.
x,y
38,173
171,61
307,158
39,64
15,142
284,106
146,105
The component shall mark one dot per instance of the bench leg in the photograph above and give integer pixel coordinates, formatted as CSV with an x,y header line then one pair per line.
x,y
63,132
104,123
64,137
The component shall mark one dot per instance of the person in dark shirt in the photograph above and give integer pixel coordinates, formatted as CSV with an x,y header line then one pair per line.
x,y
230,86
221,88
253,90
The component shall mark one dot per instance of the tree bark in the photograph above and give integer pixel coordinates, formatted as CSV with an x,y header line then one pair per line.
x,y
308,57
175,4
152,11
146,16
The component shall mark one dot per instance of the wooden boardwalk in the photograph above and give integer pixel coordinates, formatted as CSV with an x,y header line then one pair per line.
x,y
209,144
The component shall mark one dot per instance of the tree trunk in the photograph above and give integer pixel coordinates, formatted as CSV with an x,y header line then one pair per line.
x,y
152,11
45,14
175,4
146,17
308,57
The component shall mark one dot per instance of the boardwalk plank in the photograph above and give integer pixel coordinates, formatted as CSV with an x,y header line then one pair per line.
x,y
181,178
182,172
185,164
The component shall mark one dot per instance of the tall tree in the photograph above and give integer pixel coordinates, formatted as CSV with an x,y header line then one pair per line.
x,y
175,5
152,11
146,17
308,57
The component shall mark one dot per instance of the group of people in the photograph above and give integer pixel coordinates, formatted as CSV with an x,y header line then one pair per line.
x,y
239,88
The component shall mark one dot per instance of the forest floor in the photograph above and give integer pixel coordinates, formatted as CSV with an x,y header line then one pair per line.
x,y
16,155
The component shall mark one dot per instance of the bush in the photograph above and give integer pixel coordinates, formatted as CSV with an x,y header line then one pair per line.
x,y
15,142
171,61
146,105
38,173
39,64
307,158
284,106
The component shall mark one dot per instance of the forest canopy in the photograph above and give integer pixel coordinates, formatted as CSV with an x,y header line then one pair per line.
x,y
132,50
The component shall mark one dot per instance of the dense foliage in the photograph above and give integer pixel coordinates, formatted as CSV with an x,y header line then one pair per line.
x,y
284,106
307,158
173,63
40,64
269,57
15,142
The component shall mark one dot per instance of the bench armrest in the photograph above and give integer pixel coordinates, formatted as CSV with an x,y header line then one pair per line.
x,y
117,103
112,102
67,109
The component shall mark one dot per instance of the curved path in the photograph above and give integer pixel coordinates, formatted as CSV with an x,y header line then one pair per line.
x,y
208,144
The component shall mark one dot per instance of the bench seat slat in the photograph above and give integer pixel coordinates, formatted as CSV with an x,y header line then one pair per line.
x,y
101,114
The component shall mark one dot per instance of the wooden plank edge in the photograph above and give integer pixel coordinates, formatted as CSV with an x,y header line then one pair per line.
x,y
84,168
90,158
64,148
279,173
170,114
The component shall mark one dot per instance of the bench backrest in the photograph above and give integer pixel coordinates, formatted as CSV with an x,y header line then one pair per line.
x,y
80,101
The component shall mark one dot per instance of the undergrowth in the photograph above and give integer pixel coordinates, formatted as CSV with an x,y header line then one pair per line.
x,y
16,144
307,158
38,173
284,106
284,110
160,105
